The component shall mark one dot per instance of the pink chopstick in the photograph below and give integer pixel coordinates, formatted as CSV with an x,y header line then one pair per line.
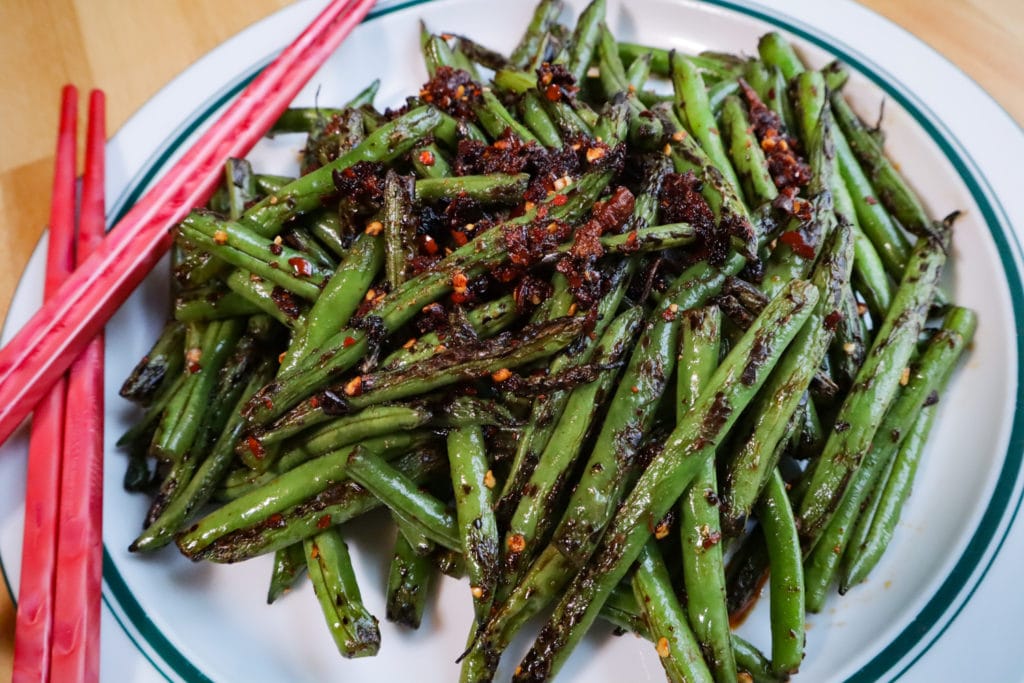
x,y
59,332
75,652
34,620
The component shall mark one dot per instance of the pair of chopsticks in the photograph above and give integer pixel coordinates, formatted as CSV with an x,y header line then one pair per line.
x,y
57,627
58,620
59,332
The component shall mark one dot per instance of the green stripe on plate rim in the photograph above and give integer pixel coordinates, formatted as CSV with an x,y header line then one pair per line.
x,y
994,514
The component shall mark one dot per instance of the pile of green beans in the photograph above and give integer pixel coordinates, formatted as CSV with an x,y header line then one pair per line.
x,y
613,331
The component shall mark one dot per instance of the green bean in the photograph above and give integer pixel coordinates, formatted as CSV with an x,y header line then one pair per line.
x,y
486,319
355,630
534,514
246,527
787,579
269,298
477,525
409,581
388,142
539,121
736,380
211,302
493,188
678,649
753,662
891,244
699,519
164,360
544,15
869,274
638,72
922,385
496,119
466,362
894,192
417,508
326,227
234,243
584,39
693,108
194,493
776,51
876,384
893,493
723,198
289,565
218,341
746,154
711,66
399,232
339,299
749,469
430,162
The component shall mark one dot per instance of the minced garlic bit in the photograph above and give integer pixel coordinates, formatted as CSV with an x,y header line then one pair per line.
x,y
661,531
459,282
373,228
220,237
904,377
572,308
477,592
679,135
409,344
849,348
273,200
489,480
280,357
563,182
530,206
371,294
501,375
278,240
192,358
440,348
667,149
662,647
595,153
354,386
516,543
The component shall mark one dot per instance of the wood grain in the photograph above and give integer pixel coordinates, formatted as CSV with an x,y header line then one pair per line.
x,y
132,49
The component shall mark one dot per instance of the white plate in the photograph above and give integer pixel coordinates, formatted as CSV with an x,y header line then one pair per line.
x,y
944,595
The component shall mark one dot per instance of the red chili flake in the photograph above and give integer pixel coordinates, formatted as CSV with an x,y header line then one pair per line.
x,y
314,403
301,266
542,212
324,522
796,242
870,200
553,93
349,341
459,237
268,404
255,447
428,244
427,157
710,539
560,200
459,297
275,518
832,320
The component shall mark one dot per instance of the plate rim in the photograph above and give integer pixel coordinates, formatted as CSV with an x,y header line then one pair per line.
x,y
948,599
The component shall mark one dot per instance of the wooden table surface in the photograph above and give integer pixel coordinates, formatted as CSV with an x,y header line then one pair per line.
x,y
132,49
